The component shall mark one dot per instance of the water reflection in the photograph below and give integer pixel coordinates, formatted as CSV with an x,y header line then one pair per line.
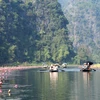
x,y
53,79
32,85
86,77
11,86
9,92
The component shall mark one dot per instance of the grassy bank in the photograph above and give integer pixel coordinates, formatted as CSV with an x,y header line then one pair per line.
x,y
95,66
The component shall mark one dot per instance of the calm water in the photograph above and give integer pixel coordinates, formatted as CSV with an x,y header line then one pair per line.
x,y
43,85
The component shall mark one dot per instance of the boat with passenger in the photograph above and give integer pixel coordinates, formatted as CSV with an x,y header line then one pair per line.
x,y
86,67
64,65
54,68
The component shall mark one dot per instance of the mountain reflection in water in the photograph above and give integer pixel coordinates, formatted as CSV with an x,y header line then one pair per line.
x,y
35,85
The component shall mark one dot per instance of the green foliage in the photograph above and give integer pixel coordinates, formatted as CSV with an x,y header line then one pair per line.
x,y
11,52
83,55
33,32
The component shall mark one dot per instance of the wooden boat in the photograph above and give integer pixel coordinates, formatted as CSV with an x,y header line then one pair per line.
x,y
54,68
64,65
86,67
87,70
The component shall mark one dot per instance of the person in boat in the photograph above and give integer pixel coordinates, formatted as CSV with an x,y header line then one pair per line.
x,y
84,66
87,65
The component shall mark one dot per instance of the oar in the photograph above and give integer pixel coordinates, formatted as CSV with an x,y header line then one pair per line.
x,y
94,69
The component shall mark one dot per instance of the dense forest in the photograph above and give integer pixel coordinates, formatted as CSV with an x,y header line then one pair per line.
x,y
84,31
34,31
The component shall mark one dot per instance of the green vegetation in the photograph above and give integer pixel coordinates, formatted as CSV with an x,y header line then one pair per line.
x,y
33,32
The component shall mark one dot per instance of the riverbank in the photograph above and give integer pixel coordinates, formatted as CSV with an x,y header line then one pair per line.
x,y
97,66
18,67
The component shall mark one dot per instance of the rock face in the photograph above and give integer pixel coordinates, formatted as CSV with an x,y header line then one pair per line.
x,y
84,23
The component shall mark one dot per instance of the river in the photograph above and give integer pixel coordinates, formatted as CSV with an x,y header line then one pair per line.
x,y
43,85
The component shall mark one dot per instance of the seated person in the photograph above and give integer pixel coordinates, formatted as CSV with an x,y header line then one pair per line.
x,y
84,66
87,65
